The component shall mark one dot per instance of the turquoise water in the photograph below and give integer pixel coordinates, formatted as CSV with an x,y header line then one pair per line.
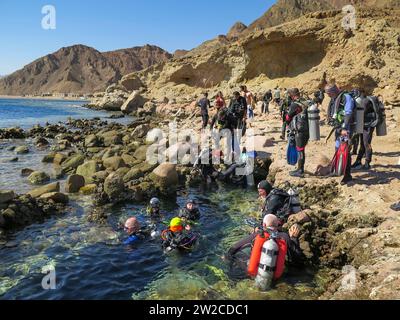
x,y
89,259
26,113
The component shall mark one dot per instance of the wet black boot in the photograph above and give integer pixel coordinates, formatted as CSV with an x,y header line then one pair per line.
x,y
366,166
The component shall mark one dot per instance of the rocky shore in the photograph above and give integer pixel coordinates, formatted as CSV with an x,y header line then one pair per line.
x,y
341,226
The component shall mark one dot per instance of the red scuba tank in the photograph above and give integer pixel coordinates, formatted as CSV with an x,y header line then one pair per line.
x,y
256,255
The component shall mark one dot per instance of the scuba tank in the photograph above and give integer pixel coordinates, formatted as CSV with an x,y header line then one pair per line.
x,y
266,267
381,129
294,204
313,122
360,110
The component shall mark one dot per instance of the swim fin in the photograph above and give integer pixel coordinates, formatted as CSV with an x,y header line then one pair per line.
x,y
339,161
291,154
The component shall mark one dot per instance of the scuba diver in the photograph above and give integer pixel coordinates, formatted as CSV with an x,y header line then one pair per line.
x,y
297,119
137,232
207,170
178,236
190,212
284,106
278,202
153,210
341,112
266,261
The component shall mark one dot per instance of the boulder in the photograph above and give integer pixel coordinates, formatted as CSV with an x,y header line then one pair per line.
x,y
59,158
134,102
74,183
41,142
72,162
114,163
114,186
140,131
57,197
93,141
165,176
49,158
133,174
150,107
131,82
6,196
128,159
88,169
22,150
26,172
52,187
111,138
38,177
100,176
88,189
140,153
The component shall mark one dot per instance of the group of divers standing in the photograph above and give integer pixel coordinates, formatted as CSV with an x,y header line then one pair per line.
x,y
353,116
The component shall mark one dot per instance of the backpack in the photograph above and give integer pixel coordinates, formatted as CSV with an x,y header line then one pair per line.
x,y
300,120
237,109
378,111
337,113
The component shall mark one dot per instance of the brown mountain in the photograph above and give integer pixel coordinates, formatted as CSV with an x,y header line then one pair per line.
x,y
80,69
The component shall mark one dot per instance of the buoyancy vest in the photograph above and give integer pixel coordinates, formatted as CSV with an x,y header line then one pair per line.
x,y
256,252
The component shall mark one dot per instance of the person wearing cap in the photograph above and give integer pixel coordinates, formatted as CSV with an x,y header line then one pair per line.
x,y
274,200
134,231
177,236
190,212
297,120
271,225
341,111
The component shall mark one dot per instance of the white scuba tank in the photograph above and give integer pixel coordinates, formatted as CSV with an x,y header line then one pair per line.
x,y
360,108
266,268
313,122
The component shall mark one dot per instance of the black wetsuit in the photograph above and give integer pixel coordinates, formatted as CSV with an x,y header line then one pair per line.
x,y
294,253
220,120
283,112
191,215
299,109
275,204
266,100
366,136
178,240
204,104
237,111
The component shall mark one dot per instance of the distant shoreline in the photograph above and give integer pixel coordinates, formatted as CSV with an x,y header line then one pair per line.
x,y
43,98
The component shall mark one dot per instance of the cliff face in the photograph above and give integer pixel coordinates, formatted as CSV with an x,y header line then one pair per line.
x,y
79,69
296,53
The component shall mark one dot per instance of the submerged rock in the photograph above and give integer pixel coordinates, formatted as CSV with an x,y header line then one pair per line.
x,y
26,172
6,196
22,150
114,186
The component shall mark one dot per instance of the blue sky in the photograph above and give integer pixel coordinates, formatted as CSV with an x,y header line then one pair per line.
x,y
109,25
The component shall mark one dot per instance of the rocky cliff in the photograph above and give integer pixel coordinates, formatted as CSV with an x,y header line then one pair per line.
x,y
79,69
298,53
